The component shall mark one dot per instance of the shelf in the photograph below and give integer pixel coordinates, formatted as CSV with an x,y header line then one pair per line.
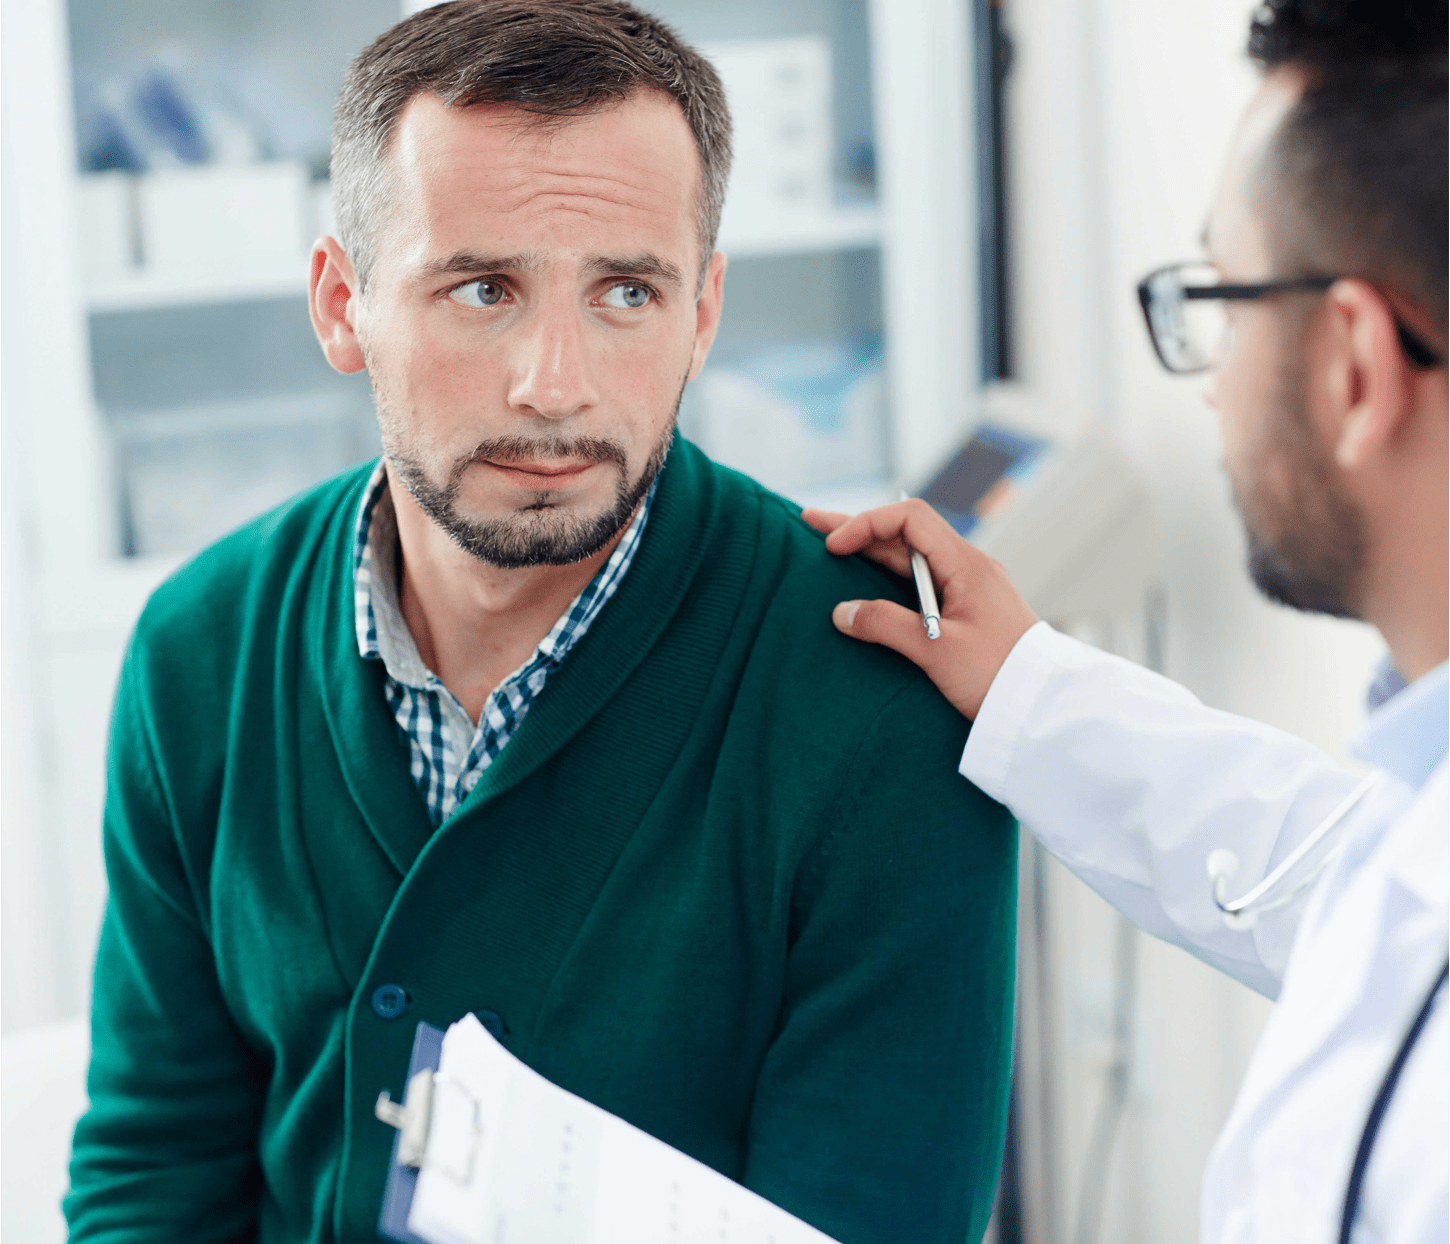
x,y
150,291
847,228
840,229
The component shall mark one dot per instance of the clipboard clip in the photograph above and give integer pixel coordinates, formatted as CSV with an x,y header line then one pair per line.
x,y
434,1101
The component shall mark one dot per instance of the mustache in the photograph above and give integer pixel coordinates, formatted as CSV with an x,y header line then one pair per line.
x,y
508,449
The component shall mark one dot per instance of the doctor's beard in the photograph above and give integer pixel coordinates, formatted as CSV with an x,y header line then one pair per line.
x,y
540,534
1306,538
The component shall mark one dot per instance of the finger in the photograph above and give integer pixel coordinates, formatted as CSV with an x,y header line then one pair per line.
x,y
951,662
824,520
913,521
951,560
892,554
886,623
977,583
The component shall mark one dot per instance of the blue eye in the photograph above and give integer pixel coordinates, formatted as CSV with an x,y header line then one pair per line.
x,y
478,294
628,296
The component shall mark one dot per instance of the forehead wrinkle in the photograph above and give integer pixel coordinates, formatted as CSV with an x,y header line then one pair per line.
x,y
544,203
454,178
555,148
638,187
650,194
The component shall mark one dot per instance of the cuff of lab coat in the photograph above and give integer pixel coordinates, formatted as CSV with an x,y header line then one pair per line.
x,y
987,759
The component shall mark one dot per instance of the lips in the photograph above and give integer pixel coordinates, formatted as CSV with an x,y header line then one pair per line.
x,y
541,474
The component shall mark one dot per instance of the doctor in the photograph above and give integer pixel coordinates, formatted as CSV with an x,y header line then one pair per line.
x,y
1332,398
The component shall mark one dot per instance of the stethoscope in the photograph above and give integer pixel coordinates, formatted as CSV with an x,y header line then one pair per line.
x,y
1244,911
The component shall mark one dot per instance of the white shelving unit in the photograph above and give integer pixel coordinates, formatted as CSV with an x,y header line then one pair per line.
x,y
845,228
146,290
81,596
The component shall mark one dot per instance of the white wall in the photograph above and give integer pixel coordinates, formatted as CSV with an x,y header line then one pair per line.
x,y
1120,113
46,956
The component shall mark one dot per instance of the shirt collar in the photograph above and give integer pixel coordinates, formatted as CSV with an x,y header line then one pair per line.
x,y
382,633
1406,731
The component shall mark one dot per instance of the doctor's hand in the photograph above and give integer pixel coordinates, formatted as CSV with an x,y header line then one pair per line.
x,y
982,614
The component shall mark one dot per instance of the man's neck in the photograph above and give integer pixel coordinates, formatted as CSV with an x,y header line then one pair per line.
x,y
1414,628
473,623
1408,600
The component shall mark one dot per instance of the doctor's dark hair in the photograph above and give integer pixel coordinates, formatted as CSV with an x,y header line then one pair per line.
x,y
1355,180
556,59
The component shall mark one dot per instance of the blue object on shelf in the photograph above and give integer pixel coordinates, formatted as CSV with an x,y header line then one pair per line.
x,y
171,117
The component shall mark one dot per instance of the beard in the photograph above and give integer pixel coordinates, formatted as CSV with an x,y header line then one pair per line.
x,y
542,533
1306,539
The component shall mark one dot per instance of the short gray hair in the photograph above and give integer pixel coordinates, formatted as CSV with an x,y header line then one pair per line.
x,y
556,58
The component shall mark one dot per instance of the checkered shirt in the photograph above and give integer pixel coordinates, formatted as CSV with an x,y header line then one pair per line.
x,y
448,751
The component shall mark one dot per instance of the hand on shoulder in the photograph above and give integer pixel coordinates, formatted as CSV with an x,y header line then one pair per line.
x,y
982,614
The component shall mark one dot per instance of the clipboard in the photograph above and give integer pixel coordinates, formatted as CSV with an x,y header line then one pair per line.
x,y
403,1176
487,1149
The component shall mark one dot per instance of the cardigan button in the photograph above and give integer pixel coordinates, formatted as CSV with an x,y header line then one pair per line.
x,y
492,1021
389,1001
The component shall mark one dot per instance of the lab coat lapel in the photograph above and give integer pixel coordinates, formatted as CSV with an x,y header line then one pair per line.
x,y
1419,859
1350,916
1330,971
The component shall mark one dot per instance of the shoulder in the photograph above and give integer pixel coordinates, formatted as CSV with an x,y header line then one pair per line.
x,y
799,547
222,590
842,690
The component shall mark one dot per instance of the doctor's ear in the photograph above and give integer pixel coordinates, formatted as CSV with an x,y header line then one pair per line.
x,y
332,301
1371,382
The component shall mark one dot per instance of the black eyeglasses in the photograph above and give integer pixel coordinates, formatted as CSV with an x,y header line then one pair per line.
x,y
1183,305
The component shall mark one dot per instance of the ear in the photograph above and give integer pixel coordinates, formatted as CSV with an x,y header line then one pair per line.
x,y
1372,386
707,312
332,301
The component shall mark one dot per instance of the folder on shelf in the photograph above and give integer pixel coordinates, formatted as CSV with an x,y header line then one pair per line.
x,y
490,1152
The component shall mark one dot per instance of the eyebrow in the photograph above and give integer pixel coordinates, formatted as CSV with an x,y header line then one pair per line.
x,y
467,263
464,263
651,266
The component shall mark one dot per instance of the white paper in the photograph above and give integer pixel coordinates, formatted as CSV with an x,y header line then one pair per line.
x,y
514,1159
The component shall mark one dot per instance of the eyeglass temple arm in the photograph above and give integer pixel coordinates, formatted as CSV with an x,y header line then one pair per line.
x,y
1418,353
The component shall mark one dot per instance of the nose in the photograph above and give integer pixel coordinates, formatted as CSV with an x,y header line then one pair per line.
x,y
552,376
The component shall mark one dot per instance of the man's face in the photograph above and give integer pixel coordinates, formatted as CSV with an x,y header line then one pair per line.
x,y
1305,535
531,318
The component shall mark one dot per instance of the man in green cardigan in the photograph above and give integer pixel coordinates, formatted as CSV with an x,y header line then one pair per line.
x,y
541,718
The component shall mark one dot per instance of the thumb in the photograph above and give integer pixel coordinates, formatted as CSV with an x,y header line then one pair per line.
x,y
893,626
882,622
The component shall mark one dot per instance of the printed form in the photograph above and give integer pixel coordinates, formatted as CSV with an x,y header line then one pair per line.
x,y
514,1159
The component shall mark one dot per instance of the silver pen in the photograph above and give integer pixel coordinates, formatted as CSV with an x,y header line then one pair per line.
x,y
925,590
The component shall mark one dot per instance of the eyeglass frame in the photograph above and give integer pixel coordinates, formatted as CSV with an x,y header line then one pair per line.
x,y
1418,354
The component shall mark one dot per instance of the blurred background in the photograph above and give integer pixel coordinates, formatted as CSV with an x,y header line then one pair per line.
x,y
937,216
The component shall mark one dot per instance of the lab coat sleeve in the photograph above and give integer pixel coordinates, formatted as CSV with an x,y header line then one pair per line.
x,y
1130,781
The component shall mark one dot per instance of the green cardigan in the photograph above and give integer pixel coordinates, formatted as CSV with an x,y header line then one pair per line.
x,y
724,881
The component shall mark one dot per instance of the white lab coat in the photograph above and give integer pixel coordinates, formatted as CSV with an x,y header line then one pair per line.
x,y
1131,782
